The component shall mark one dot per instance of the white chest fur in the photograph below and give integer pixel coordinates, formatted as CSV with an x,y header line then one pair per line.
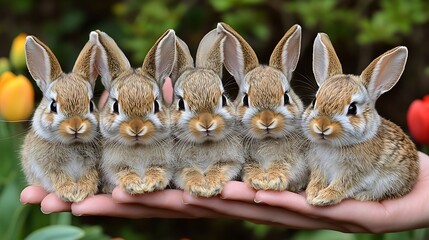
x,y
328,159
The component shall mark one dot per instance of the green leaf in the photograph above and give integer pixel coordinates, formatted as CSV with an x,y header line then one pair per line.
x,y
62,218
222,5
259,230
322,235
94,233
406,235
14,231
367,236
420,234
9,202
57,232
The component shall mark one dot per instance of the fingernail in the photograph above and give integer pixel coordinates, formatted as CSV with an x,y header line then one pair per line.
x,y
77,214
44,212
256,200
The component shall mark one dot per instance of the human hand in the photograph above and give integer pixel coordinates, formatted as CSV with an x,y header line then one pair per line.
x,y
49,202
162,204
292,210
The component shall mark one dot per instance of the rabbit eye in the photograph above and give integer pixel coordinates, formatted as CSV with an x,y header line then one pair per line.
x,y
91,106
155,106
53,106
352,109
224,101
246,100
116,107
181,104
286,98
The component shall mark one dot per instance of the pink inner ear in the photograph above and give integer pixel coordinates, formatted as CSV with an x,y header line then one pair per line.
x,y
167,91
103,99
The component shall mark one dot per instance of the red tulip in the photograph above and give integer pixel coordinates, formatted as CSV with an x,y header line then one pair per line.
x,y
418,120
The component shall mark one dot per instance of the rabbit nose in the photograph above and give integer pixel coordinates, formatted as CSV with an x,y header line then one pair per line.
x,y
206,123
266,120
76,126
136,127
322,130
323,126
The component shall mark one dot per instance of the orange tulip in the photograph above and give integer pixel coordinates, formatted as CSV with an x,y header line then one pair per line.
x,y
17,52
16,97
418,120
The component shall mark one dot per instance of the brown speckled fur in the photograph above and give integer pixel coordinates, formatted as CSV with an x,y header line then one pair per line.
x,y
362,156
59,161
276,161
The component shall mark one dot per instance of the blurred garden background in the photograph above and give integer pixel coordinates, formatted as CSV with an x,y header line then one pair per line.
x,y
360,31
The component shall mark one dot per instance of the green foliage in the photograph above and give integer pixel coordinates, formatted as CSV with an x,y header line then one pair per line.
x,y
395,17
390,20
240,20
150,21
67,232
419,234
260,231
322,235
225,5
57,232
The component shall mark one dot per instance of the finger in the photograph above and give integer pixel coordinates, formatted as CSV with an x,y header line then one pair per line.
x,y
32,195
347,213
52,203
259,213
104,205
285,199
167,199
240,191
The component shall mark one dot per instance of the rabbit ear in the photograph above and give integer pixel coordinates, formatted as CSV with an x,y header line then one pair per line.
x,y
383,73
239,57
41,62
210,52
110,60
160,59
85,63
183,60
286,54
325,60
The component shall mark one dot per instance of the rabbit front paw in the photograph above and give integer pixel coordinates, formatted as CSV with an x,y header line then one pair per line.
x,y
67,192
80,194
204,187
196,188
325,197
154,181
264,181
276,181
256,179
133,184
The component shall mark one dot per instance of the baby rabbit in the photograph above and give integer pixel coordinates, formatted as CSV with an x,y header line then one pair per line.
x,y
207,151
269,112
354,152
61,150
134,122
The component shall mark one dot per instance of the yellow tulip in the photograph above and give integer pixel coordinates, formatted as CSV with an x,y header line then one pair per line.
x,y
17,52
16,97
6,77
